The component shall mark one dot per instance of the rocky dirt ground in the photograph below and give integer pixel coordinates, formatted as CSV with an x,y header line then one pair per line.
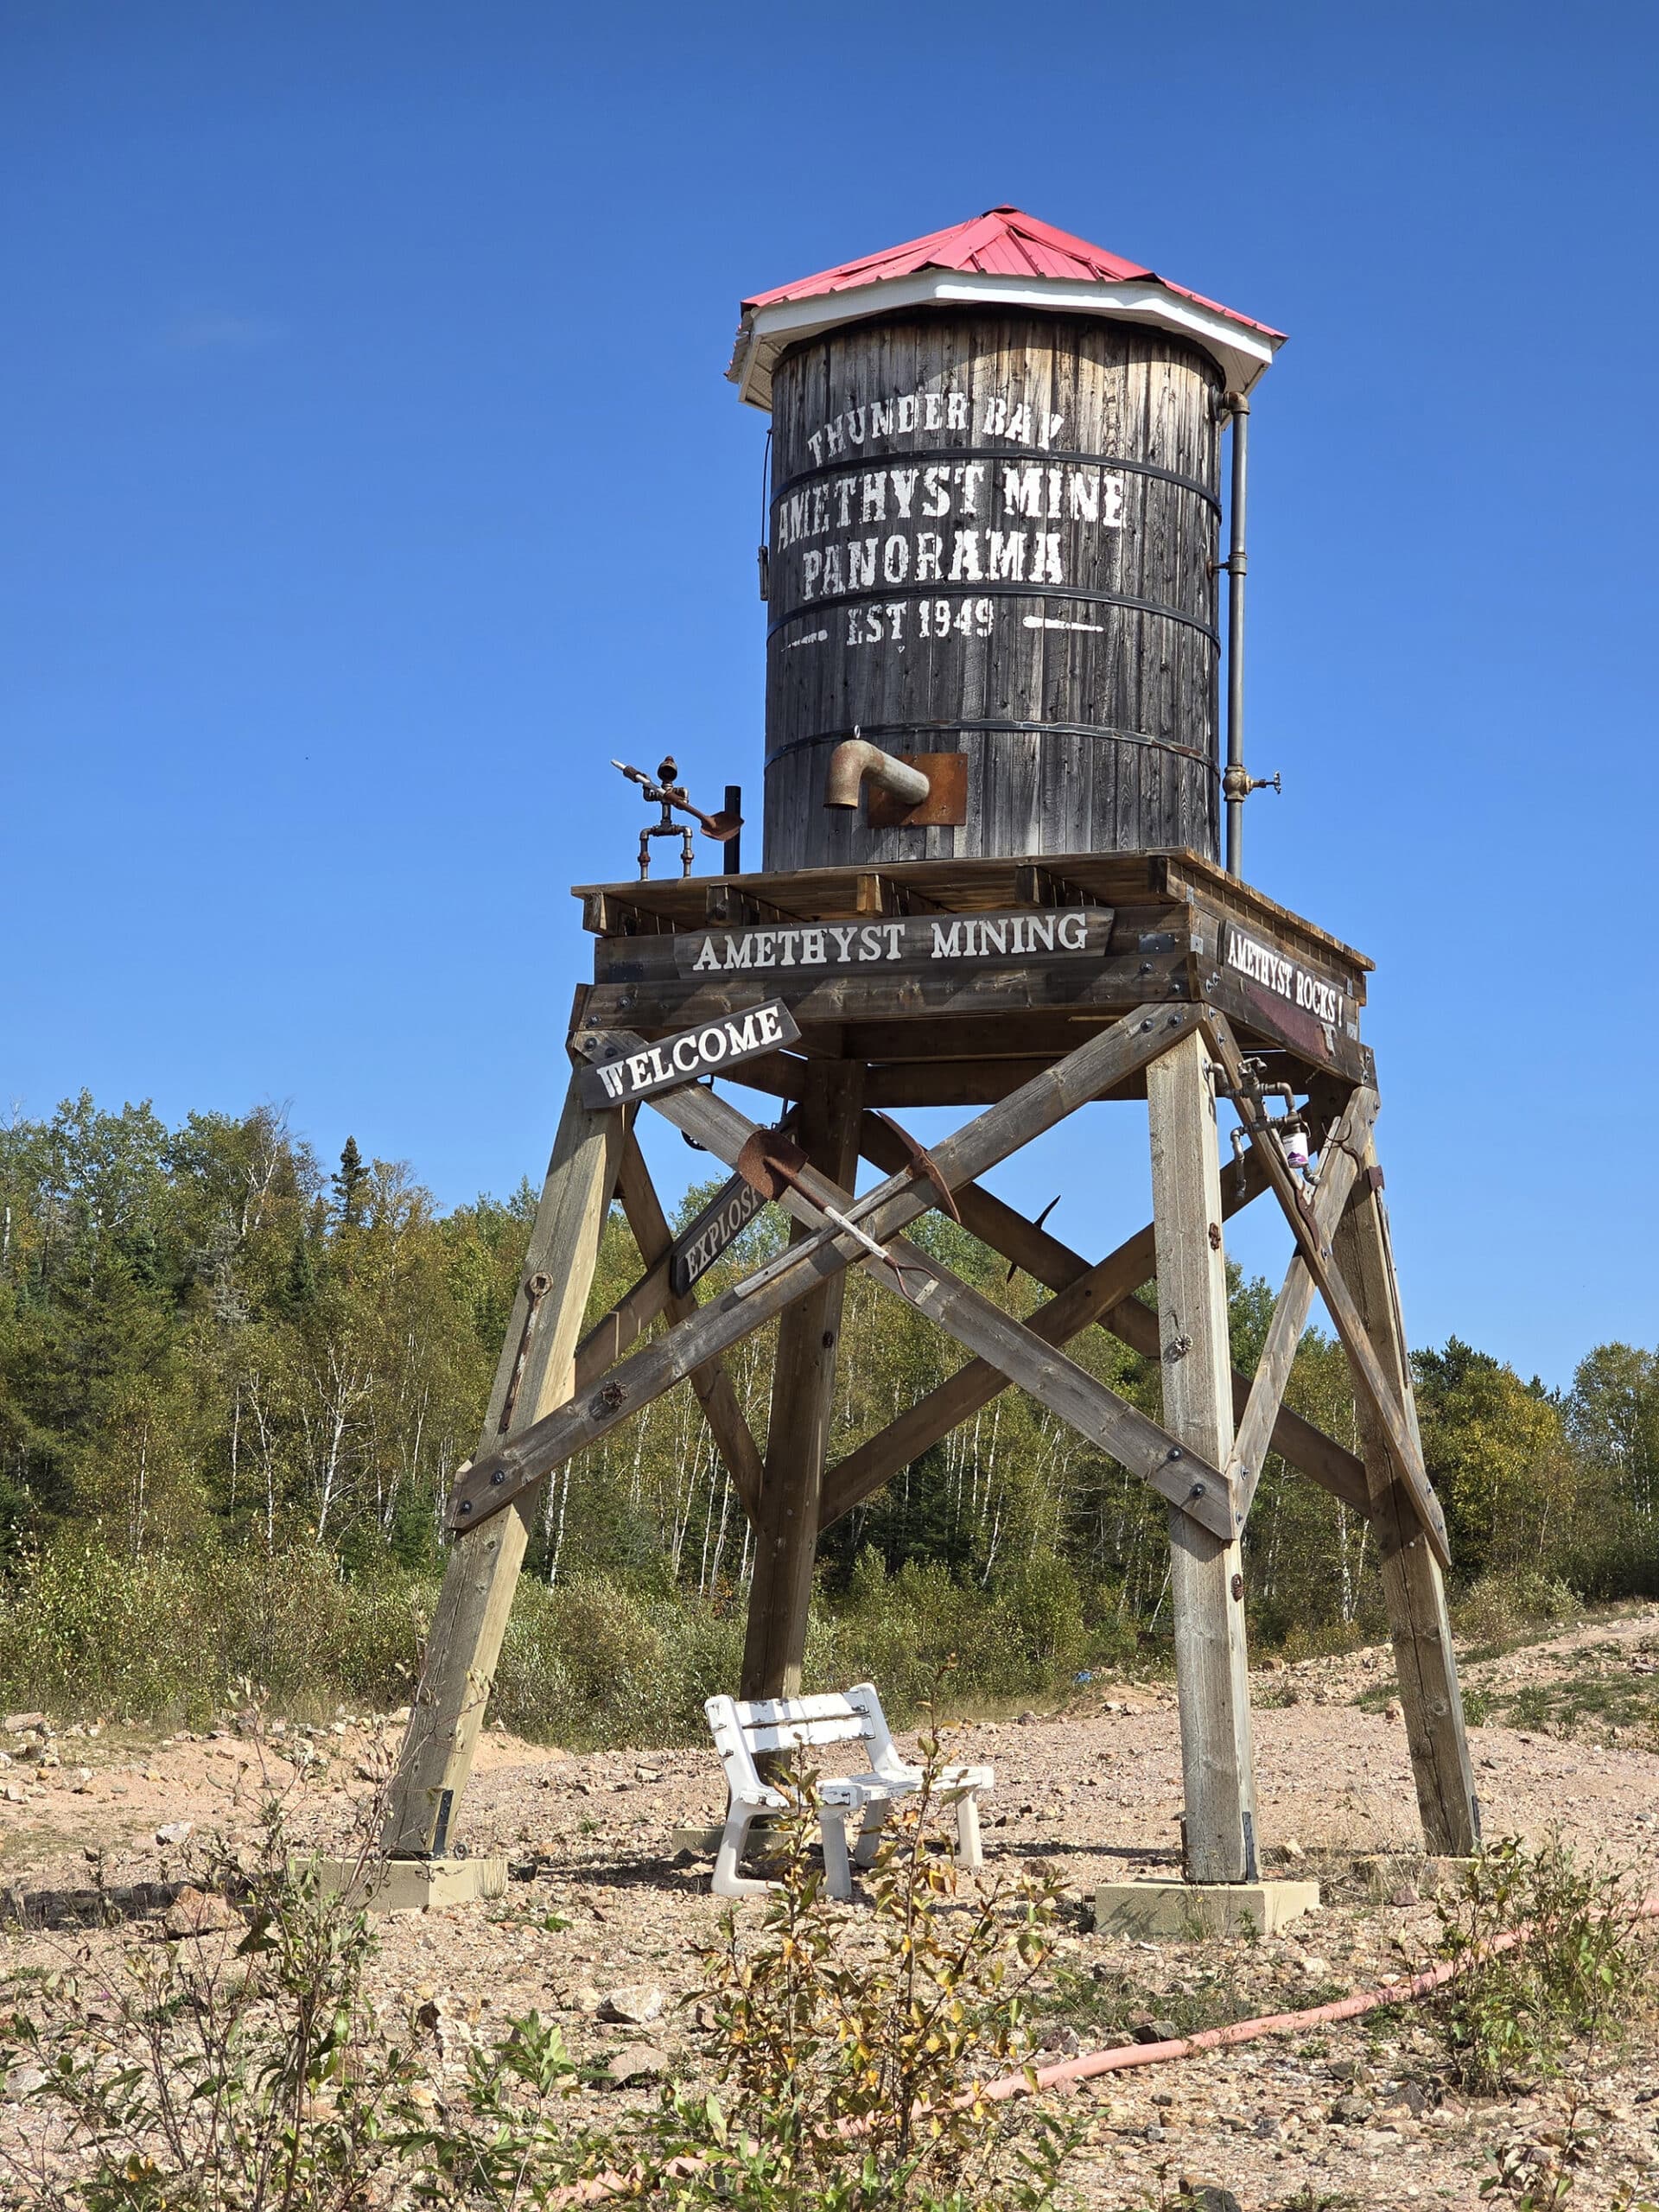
x,y
1568,1734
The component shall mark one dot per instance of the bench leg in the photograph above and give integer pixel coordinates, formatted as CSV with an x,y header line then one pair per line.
x,y
870,1834
969,1853
837,1872
727,1882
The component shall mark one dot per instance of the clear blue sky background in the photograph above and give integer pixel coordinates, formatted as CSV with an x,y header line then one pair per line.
x,y
371,478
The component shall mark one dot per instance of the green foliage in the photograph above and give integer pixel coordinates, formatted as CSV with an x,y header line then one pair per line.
x,y
214,2076
91,1630
223,1370
253,2075
1555,1964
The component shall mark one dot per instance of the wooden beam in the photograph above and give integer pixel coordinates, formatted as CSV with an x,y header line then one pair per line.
x,y
1316,1455
499,1476
1372,1382
876,1461
1046,1260
1212,1684
712,1383
536,1371
1181,1475
803,1388
1340,1164
625,1323
945,991
1430,1697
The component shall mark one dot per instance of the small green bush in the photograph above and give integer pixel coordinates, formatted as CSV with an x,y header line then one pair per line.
x,y
1569,1983
254,2076
1501,1606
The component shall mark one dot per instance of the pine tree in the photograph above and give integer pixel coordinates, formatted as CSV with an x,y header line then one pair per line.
x,y
299,1291
349,1185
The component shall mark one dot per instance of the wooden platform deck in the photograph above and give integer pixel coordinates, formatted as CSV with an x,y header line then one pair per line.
x,y
951,981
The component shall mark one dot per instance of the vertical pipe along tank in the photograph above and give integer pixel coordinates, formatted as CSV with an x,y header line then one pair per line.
x,y
993,532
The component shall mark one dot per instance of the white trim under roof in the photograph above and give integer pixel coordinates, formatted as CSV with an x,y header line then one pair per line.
x,y
1240,351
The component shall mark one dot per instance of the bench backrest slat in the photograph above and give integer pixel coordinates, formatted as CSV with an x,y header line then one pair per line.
x,y
743,1730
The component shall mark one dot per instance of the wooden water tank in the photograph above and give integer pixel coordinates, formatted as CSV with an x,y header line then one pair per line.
x,y
995,533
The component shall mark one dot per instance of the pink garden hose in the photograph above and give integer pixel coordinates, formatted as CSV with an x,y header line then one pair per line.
x,y
1119,2060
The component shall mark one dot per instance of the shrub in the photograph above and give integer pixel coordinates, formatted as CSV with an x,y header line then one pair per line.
x,y
1501,1606
88,1629
1574,1975
251,2076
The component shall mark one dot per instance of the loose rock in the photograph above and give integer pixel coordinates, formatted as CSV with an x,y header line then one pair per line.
x,y
639,2061
200,1913
635,2004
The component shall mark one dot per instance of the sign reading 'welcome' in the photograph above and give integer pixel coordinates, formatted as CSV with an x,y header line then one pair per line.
x,y
694,1053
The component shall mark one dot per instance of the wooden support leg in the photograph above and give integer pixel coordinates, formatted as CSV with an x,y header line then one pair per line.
x,y
536,1372
1412,1588
1206,1584
803,1376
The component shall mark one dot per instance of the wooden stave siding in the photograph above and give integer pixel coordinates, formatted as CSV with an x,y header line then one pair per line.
x,y
1127,392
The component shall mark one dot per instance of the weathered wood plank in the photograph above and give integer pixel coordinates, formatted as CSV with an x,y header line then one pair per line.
x,y
785,1517
1430,1696
1340,1164
1108,987
713,1385
1041,1254
1179,1473
500,1475
1206,1571
534,1373
1162,889
1369,1375
790,957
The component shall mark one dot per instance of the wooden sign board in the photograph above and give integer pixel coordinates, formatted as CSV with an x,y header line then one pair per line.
x,y
723,1043
718,1227
807,951
1307,990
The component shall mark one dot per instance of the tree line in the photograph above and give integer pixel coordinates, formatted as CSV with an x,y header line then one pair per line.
x,y
215,1350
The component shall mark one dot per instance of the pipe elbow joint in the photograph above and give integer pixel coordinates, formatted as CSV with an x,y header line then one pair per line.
x,y
856,762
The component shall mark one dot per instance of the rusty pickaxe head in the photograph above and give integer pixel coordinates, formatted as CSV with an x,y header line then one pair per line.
x,y
923,1164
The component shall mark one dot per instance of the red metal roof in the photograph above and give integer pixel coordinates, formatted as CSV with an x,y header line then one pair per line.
x,y
1003,242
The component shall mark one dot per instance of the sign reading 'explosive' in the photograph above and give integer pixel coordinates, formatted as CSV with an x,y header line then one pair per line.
x,y
718,1227
693,1053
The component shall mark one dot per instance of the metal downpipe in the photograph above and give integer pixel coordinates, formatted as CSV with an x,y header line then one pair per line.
x,y
1236,783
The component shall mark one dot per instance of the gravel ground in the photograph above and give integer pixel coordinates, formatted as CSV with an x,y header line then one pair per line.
x,y
1344,2116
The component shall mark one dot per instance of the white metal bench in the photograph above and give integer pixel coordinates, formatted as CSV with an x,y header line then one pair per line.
x,y
788,1724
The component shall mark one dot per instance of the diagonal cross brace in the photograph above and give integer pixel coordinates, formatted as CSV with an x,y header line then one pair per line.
x,y
1341,1151
1102,1294
712,1384
1314,1246
1097,1066
1068,1391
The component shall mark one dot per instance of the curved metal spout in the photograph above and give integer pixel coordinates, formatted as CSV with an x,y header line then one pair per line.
x,y
855,761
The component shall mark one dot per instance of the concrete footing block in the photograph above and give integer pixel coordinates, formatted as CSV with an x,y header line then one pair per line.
x,y
413,1885
1178,1908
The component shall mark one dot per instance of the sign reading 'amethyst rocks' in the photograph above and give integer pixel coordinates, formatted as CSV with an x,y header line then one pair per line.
x,y
718,1227
721,1043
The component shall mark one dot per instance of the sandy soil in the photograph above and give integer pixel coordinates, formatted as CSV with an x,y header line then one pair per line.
x,y
1092,1794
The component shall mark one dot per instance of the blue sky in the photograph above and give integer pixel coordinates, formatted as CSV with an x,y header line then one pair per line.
x,y
371,480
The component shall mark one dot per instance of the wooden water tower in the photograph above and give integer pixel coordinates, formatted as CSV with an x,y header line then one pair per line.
x,y
995,783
